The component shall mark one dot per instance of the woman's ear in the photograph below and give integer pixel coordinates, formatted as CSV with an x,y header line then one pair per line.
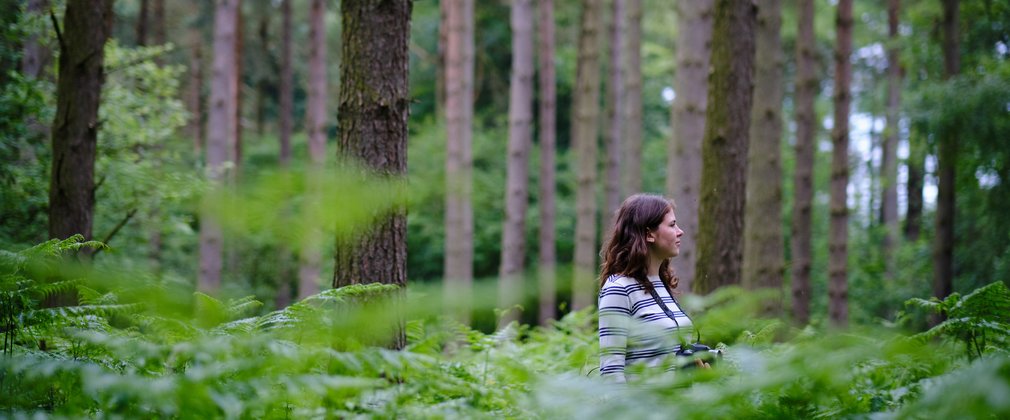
x,y
649,236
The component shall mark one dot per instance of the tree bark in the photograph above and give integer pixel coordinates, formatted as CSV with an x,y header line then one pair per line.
x,y
763,260
838,233
287,85
683,171
221,135
194,91
889,164
142,19
520,133
547,196
372,121
803,184
283,298
943,246
724,150
315,122
457,78
615,98
157,23
632,179
86,27
586,111
915,163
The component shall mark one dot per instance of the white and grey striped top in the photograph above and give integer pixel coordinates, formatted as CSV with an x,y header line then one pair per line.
x,y
634,329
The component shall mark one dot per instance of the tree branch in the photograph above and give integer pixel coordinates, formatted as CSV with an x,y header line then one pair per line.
x,y
59,35
115,230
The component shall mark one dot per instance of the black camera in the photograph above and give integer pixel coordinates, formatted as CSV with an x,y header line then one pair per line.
x,y
697,351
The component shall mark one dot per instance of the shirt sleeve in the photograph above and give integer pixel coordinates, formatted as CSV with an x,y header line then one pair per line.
x,y
615,315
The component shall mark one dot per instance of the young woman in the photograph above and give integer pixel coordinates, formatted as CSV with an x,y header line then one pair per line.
x,y
634,328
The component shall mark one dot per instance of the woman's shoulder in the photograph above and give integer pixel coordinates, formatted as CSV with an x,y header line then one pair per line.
x,y
618,280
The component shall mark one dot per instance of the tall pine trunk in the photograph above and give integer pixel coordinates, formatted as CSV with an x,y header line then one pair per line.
x,y
632,179
221,135
683,171
315,123
913,190
458,81
284,275
803,179
586,111
889,176
943,246
372,125
86,27
615,100
194,90
724,150
547,136
520,133
143,17
763,260
838,232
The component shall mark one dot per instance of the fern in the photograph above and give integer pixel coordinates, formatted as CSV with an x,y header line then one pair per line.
x,y
979,319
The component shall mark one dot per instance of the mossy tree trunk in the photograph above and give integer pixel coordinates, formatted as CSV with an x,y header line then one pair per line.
x,y
763,260
683,171
889,163
615,130
586,112
724,149
631,182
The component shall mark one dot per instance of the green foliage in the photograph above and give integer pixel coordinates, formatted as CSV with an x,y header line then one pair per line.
x,y
980,319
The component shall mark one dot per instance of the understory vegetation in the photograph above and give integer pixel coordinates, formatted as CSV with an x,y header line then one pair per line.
x,y
134,346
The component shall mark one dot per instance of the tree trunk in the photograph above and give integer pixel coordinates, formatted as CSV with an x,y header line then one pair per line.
x,y
520,133
263,81
838,233
142,19
287,85
915,163
37,53
632,179
616,117
547,196
194,91
372,121
315,122
457,78
157,23
803,183
683,171
86,27
763,261
236,121
889,177
221,134
441,94
283,298
586,111
724,150
943,247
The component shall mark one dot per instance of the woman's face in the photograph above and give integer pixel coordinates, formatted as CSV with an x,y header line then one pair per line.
x,y
664,240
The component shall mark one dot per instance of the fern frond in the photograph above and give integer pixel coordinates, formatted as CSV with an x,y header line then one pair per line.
x,y
243,306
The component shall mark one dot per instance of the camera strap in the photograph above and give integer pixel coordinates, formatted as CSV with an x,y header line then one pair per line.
x,y
671,314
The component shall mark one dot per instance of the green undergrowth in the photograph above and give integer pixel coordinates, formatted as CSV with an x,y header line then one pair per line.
x,y
128,346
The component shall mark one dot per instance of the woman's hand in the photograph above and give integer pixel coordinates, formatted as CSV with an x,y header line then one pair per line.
x,y
702,364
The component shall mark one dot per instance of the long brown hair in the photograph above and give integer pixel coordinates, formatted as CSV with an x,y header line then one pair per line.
x,y
627,252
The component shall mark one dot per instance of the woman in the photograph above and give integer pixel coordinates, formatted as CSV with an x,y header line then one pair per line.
x,y
634,327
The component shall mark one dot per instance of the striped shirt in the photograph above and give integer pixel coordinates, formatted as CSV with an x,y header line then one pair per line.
x,y
634,329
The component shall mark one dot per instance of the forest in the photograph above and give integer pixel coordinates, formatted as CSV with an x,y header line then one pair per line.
x,y
395,209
